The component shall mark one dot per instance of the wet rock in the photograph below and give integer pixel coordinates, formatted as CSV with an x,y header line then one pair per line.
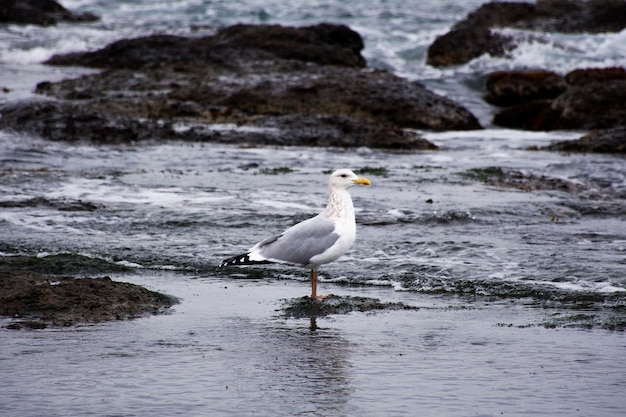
x,y
370,96
582,99
584,76
306,307
474,36
36,300
462,45
255,86
267,84
611,141
591,106
61,264
40,12
62,121
343,131
597,105
61,205
534,115
508,88
508,178
587,320
324,44
577,16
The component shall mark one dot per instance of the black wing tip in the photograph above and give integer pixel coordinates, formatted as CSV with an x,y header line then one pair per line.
x,y
243,259
235,260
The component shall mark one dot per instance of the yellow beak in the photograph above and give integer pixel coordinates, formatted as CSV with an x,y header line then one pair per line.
x,y
362,181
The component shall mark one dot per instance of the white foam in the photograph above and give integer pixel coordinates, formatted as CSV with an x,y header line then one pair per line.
x,y
129,264
48,222
222,127
103,191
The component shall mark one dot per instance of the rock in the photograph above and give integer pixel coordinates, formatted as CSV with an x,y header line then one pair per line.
x,y
534,115
62,121
598,105
592,106
194,71
36,300
58,204
586,76
324,44
577,16
59,121
474,36
509,178
268,84
306,307
370,96
611,141
462,45
61,264
343,131
542,100
507,88
39,12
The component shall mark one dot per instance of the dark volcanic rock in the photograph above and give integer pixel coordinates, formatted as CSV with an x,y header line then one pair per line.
x,y
577,16
597,105
343,131
39,12
62,121
586,76
592,106
66,301
373,96
507,88
534,115
324,43
508,178
370,96
295,86
61,205
542,100
601,141
473,36
61,264
462,45
306,307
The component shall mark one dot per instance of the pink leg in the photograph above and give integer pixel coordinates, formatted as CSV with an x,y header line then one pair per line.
x,y
314,286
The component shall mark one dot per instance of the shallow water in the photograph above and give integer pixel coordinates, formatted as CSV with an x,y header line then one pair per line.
x,y
424,224
226,351
519,288
505,279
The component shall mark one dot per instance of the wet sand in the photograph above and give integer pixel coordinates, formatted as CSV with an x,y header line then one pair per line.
x,y
228,350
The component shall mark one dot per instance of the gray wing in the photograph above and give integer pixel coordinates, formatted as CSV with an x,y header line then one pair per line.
x,y
301,242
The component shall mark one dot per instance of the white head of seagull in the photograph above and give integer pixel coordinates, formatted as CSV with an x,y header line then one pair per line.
x,y
339,200
316,241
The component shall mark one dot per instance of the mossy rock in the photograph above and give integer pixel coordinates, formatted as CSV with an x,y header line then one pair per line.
x,y
307,307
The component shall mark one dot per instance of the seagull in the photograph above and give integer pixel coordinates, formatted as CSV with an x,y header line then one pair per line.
x,y
315,241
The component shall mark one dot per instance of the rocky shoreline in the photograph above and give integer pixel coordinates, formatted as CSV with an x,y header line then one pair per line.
x,y
36,301
288,86
310,86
